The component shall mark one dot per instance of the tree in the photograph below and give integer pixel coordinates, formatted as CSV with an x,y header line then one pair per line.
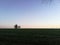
x,y
19,27
15,26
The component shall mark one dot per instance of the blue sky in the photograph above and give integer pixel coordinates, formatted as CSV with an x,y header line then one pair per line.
x,y
30,13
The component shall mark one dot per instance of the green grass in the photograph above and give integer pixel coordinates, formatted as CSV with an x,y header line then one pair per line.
x,y
30,36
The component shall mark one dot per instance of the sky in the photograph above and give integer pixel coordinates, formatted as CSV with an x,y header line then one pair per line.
x,y
30,13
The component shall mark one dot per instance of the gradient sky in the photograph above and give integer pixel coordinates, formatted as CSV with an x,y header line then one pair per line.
x,y
30,13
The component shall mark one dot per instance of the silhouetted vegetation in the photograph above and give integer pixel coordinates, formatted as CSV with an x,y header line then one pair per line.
x,y
16,26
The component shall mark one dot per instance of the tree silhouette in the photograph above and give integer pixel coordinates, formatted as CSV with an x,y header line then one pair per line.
x,y
15,26
19,27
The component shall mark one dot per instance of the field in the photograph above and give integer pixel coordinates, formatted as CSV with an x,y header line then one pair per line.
x,y
29,36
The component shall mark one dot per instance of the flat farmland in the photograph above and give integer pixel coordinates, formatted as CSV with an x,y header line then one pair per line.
x,y
29,36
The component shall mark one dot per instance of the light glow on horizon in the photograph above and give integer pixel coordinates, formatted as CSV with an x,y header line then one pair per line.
x,y
30,13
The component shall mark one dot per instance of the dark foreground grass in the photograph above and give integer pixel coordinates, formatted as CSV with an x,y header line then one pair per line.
x,y
29,36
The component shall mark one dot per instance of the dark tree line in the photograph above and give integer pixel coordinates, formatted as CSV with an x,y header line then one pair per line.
x,y
16,26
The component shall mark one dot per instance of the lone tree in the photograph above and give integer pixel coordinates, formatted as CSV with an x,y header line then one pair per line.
x,y
19,27
15,26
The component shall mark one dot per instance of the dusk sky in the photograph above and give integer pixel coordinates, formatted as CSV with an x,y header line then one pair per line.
x,y
30,13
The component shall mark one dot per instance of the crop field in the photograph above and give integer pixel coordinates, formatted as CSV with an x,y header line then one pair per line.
x,y
29,36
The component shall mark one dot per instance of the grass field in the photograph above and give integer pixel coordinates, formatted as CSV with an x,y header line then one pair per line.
x,y
29,36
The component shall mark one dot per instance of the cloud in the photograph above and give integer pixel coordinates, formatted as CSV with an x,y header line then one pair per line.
x,y
46,1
